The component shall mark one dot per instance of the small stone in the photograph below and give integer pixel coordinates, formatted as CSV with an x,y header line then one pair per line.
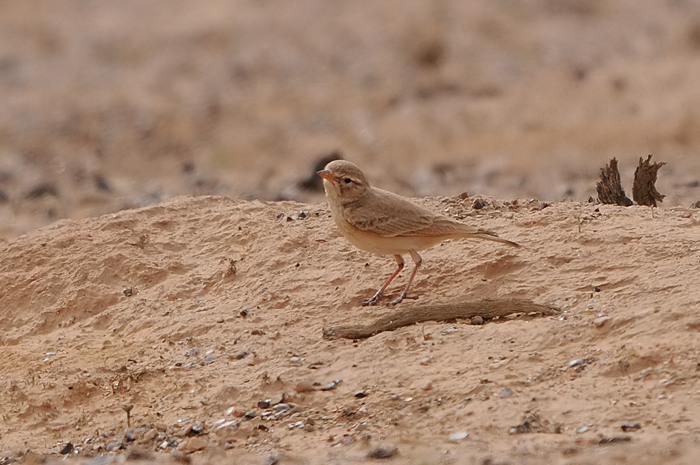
x,y
447,331
332,385
264,403
361,394
630,426
250,415
507,392
477,320
129,436
458,436
382,453
600,321
296,360
149,435
192,352
281,407
113,446
579,362
244,313
195,429
478,204
67,449
581,429
192,444
240,355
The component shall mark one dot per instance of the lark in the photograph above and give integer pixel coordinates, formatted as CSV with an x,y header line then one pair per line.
x,y
384,223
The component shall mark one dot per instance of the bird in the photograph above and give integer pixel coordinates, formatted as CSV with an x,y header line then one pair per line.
x,y
384,223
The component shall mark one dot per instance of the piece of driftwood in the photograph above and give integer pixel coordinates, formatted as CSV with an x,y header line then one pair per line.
x,y
409,315
609,187
644,190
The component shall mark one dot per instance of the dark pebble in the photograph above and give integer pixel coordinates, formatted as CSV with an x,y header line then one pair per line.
x,y
478,204
263,404
382,453
361,394
67,449
250,415
240,355
129,436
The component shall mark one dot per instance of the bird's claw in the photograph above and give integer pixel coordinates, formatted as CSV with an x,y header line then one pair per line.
x,y
373,301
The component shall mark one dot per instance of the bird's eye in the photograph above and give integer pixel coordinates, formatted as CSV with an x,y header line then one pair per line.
x,y
347,180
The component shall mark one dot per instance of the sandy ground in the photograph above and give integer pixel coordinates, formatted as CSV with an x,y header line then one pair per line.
x,y
153,159
144,307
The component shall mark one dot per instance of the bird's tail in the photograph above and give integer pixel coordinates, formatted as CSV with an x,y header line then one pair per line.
x,y
489,236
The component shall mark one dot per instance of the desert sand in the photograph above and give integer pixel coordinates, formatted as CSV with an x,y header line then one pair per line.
x,y
171,279
200,310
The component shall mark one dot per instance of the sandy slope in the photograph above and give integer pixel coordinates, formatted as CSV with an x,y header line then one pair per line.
x,y
179,349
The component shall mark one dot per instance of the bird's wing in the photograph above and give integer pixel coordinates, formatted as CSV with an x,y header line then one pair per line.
x,y
390,215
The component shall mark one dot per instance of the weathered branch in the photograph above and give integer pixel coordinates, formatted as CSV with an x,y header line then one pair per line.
x,y
609,187
409,315
643,190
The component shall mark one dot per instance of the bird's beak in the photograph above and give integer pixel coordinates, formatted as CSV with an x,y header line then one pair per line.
x,y
325,174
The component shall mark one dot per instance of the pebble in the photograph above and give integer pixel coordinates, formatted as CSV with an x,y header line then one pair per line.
x,y
113,446
507,392
296,360
332,385
382,453
195,429
458,436
67,449
250,415
240,355
581,429
129,436
226,424
574,363
600,321
630,426
361,394
192,444
477,320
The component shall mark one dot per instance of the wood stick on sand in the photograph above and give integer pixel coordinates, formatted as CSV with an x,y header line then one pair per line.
x,y
412,314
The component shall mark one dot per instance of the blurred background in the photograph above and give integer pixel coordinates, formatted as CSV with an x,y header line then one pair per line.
x,y
113,105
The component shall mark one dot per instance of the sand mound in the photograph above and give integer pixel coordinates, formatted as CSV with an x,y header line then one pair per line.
x,y
206,315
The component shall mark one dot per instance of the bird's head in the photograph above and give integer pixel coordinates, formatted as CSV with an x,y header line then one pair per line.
x,y
343,180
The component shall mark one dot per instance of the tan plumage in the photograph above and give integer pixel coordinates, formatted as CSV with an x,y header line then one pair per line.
x,y
385,223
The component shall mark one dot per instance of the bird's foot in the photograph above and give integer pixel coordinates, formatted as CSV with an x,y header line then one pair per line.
x,y
373,301
400,299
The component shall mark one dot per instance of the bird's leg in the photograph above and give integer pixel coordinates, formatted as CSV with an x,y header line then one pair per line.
x,y
380,292
416,258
